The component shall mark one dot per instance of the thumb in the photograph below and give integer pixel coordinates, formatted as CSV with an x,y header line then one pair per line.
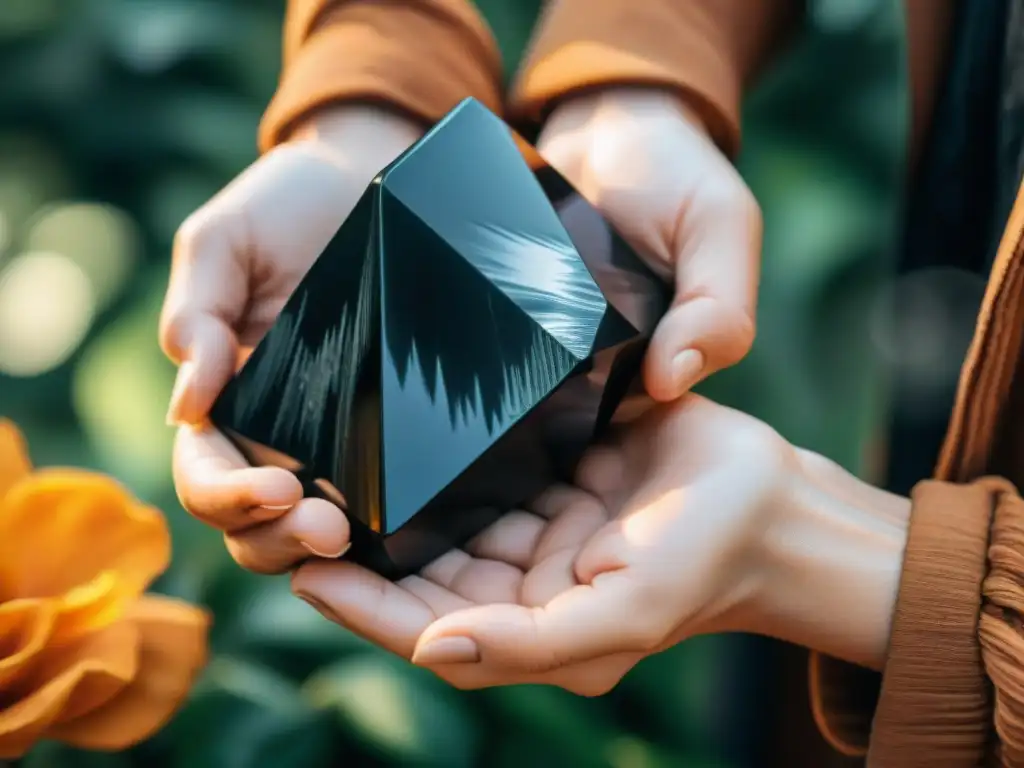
x,y
584,623
711,323
208,362
205,299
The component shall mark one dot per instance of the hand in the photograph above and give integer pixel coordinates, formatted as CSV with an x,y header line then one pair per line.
x,y
236,261
238,258
645,160
659,539
693,519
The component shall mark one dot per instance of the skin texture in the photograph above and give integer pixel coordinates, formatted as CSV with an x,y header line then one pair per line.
x,y
666,532
650,544
693,518
644,159
238,258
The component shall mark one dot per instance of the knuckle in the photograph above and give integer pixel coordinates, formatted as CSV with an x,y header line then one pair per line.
x,y
762,450
816,463
170,333
207,233
220,515
192,235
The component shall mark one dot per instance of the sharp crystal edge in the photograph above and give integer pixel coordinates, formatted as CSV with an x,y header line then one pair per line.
x,y
468,331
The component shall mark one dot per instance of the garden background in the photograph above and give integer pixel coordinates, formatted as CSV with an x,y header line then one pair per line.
x,y
119,117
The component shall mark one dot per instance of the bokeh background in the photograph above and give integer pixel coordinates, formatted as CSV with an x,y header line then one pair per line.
x,y
119,117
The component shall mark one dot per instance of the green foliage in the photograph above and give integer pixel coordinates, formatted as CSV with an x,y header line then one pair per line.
x,y
148,107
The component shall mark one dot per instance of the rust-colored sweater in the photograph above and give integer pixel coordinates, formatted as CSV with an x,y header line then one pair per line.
x,y
952,691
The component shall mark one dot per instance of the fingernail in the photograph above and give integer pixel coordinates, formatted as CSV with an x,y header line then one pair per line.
x,y
181,382
447,650
266,514
326,555
276,507
319,606
686,368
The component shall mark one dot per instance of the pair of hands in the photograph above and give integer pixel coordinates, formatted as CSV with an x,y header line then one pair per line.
x,y
658,537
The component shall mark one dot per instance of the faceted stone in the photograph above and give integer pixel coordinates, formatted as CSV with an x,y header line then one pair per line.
x,y
471,327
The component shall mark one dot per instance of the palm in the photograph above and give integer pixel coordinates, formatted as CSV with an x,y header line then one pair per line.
x,y
657,505
526,558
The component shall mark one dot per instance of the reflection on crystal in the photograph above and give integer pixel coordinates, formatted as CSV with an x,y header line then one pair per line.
x,y
470,327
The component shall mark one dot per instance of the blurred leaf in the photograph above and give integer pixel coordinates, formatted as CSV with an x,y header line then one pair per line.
x,y
566,727
53,755
173,197
25,17
199,555
246,716
151,36
31,175
259,617
212,127
122,385
512,22
677,694
400,712
846,15
631,752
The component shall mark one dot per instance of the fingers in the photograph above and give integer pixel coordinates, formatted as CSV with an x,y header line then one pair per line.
x,y
379,610
511,539
238,257
312,527
395,615
475,579
216,485
711,323
206,297
581,624
208,363
696,337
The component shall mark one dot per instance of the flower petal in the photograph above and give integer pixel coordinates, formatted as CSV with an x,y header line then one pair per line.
x,y
172,652
67,681
14,461
25,628
89,607
60,529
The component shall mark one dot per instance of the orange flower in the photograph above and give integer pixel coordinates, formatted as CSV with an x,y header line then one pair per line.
x,y
85,657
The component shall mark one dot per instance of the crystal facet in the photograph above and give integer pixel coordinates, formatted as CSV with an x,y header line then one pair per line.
x,y
470,328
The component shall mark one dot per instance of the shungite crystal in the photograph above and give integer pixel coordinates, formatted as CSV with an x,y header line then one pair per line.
x,y
470,328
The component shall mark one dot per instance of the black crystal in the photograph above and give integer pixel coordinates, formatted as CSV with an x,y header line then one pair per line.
x,y
470,328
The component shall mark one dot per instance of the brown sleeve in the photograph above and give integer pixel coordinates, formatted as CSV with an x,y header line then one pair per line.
x,y
707,50
955,666
419,56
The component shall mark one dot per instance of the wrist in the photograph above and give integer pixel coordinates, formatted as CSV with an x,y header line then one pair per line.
x,y
626,100
379,134
832,558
